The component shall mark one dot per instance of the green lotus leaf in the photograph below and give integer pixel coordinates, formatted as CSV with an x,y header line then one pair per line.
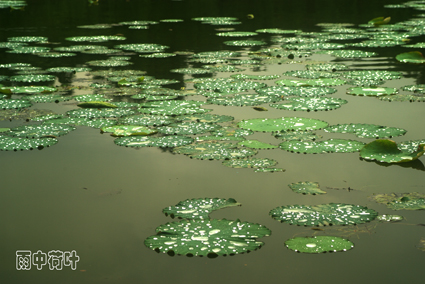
x,y
209,118
237,34
378,43
323,214
14,103
101,38
406,203
319,244
147,120
99,113
28,49
223,85
310,74
217,54
205,19
198,208
95,123
326,67
244,100
384,150
142,23
47,98
97,98
108,63
223,68
214,150
191,71
297,135
96,104
311,82
371,74
244,42
327,146
27,89
411,57
389,218
269,170
410,146
39,131
16,143
24,114
188,128
307,187
314,45
232,132
146,141
277,31
296,91
254,77
95,26
255,144
142,47
108,51
32,78
207,237
366,130
171,21
55,54
419,88
250,163
218,138
282,124
309,104
3,129
128,130
174,110
379,21
346,53
371,91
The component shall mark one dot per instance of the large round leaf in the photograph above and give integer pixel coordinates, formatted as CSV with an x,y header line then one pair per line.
x,y
282,124
207,237
384,150
198,208
323,214
319,244
15,143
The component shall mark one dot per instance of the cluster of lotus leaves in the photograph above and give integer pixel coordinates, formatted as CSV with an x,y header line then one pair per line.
x,y
323,214
387,151
318,244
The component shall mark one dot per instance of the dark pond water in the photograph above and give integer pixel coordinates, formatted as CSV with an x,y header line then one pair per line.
x,y
102,200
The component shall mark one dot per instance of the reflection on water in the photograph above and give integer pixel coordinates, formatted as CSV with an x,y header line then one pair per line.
x,y
101,200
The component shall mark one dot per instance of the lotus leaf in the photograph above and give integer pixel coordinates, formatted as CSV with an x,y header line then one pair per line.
x,y
210,118
15,143
366,130
296,91
186,128
327,146
207,237
323,214
231,132
378,43
108,63
147,120
297,135
326,67
311,82
384,150
244,100
198,208
250,163
309,74
38,39
39,131
213,150
307,187
255,144
223,68
218,138
146,141
237,34
244,42
128,130
191,71
404,98
268,170
254,77
68,69
14,103
100,113
282,124
371,74
101,38
158,55
410,146
27,89
346,53
223,85
24,114
95,123
314,45
420,88
28,49
217,54
96,104
32,78
177,109
309,104
371,91
389,218
411,57
319,244
277,31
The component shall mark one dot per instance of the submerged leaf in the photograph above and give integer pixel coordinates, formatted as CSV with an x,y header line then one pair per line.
x,y
307,187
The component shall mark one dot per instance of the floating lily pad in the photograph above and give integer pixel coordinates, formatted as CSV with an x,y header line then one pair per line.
x,y
218,138
245,42
38,131
223,85
327,146
244,100
411,57
255,144
98,113
128,130
210,118
371,74
282,124
27,89
326,67
366,130
95,123
323,214
198,208
410,146
371,91
269,170
24,114
231,132
307,187
146,141
147,120
310,74
346,53
14,103
297,135
319,244
250,163
101,38
188,128
296,91
16,143
91,98
384,150
108,63
207,237
32,78
389,218
310,104
214,150
311,82
173,107
191,71
254,77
